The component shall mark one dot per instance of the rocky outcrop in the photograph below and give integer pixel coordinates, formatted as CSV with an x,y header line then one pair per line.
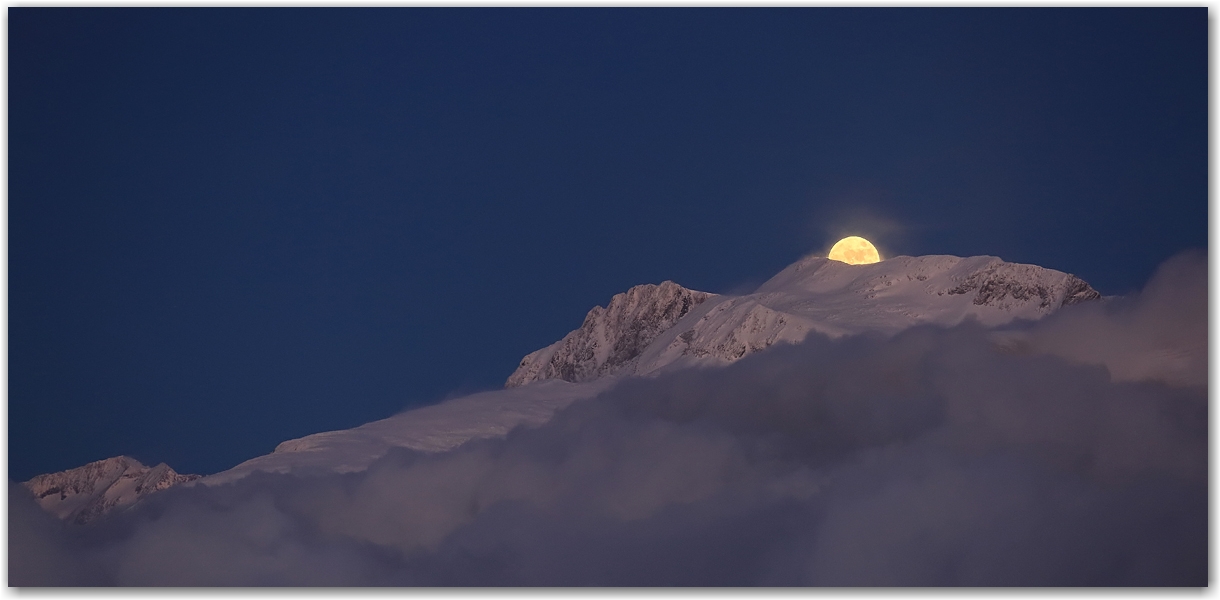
x,y
85,493
610,338
1002,283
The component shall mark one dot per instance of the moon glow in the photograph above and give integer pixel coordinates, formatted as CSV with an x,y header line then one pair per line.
x,y
854,250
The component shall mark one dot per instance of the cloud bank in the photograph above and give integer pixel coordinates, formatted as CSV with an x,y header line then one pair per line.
x,y
1070,452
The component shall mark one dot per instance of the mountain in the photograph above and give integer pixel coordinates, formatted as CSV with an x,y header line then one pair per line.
x,y
652,328
648,330
85,493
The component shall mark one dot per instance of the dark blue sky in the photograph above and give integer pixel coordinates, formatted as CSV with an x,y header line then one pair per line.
x,y
232,227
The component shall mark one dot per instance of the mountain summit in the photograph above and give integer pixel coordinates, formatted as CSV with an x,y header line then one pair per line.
x,y
85,493
612,337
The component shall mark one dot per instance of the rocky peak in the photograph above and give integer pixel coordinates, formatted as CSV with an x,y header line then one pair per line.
x,y
87,492
611,337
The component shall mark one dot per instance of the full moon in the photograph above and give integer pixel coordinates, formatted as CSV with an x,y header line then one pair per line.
x,y
854,250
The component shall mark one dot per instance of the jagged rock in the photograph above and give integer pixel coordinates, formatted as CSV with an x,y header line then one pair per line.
x,y
1077,290
85,493
610,338
1001,281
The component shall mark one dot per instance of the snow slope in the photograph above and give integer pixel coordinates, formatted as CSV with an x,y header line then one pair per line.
x,y
431,429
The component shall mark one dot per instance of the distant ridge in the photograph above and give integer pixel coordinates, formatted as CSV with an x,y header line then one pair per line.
x,y
87,492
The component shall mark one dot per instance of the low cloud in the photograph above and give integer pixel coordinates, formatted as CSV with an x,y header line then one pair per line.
x,y
1159,335
1069,453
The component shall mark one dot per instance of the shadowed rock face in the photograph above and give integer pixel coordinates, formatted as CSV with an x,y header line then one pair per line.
x,y
1002,281
85,493
611,337
1078,291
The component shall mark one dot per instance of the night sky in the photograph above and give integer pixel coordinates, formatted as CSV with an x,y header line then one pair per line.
x,y
232,227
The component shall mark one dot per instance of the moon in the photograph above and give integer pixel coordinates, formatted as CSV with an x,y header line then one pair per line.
x,y
854,250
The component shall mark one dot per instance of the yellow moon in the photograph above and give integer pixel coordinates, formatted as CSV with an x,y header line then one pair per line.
x,y
854,250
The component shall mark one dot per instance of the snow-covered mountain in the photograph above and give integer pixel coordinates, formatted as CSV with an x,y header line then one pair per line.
x,y
84,493
647,330
652,328
813,294
612,337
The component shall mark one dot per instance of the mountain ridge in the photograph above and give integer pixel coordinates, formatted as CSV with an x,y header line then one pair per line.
x,y
649,329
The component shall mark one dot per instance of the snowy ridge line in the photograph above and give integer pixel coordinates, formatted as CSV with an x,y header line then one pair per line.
x,y
649,329
434,428
87,492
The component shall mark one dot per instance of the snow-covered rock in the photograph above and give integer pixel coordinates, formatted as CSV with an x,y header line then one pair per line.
x,y
612,337
85,493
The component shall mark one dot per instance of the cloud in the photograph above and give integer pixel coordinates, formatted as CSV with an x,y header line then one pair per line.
x,y
1159,335
934,457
